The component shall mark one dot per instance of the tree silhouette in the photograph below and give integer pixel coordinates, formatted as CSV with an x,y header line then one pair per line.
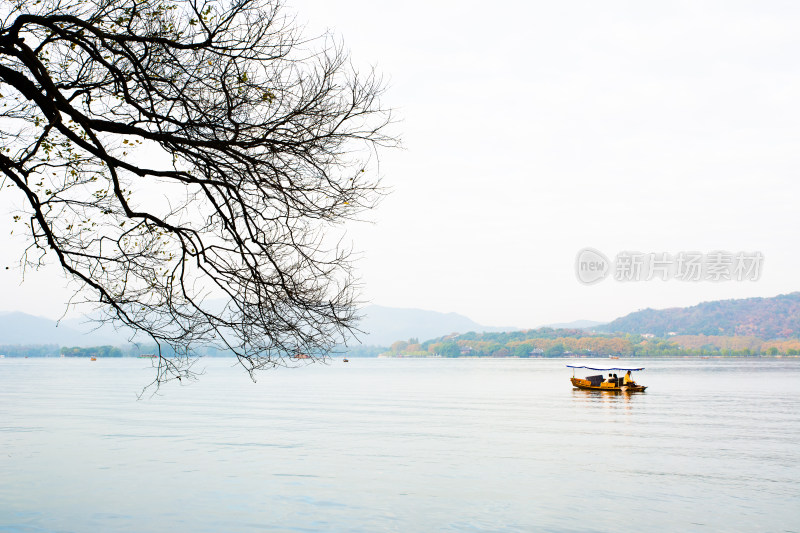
x,y
187,162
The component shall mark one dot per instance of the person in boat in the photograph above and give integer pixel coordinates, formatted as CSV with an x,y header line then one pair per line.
x,y
610,378
627,379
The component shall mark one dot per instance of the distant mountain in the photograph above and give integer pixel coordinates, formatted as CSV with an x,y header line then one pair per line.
x,y
22,328
382,326
766,318
93,328
385,325
575,324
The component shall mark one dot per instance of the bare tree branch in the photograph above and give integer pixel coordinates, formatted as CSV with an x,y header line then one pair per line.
x,y
176,155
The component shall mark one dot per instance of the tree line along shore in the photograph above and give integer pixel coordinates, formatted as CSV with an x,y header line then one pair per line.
x,y
542,342
547,342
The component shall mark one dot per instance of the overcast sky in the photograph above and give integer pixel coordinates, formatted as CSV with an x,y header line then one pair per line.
x,y
532,130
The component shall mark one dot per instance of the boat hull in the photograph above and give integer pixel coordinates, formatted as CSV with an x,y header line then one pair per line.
x,y
607,387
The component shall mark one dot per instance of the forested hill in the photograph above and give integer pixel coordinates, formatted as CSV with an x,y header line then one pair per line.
x,y
766,318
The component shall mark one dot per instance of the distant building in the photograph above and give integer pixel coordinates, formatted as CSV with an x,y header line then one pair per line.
x,y
502,352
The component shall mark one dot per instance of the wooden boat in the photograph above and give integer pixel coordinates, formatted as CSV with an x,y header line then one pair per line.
x,y
612,383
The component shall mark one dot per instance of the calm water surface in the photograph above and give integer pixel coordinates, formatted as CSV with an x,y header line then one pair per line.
x,y
399,445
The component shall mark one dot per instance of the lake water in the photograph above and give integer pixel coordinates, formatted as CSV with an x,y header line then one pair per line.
x,y
399,445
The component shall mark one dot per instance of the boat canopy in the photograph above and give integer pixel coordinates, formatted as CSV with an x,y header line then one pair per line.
x,y
605,369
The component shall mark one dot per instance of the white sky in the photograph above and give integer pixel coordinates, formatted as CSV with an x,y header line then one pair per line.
x,y
535,129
